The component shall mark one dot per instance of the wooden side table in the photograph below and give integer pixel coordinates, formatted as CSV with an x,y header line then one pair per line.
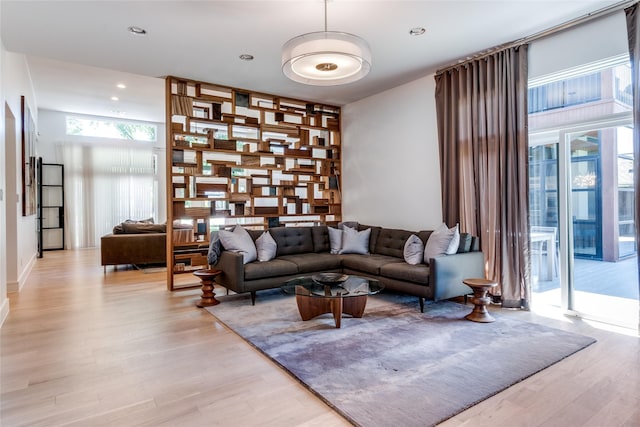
x,y
480,299
207,277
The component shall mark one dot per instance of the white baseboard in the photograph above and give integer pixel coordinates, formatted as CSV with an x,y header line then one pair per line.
x,y
4,311
17,286
13,287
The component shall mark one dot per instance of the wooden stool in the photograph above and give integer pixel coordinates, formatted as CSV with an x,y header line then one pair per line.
x,y
207,277
480,299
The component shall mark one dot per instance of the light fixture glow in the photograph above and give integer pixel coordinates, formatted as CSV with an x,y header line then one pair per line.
x,y
326,58
114,98
121,86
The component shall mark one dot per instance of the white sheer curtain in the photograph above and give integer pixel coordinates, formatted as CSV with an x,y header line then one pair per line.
x,y
106,184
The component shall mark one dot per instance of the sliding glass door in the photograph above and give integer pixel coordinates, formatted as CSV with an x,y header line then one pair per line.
x,y
583,249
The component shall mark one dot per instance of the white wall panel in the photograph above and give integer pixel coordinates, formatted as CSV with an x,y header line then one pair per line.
x,y
592,41
390,158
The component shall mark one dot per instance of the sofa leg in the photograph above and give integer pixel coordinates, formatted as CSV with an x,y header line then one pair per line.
x,y
253,298
421,304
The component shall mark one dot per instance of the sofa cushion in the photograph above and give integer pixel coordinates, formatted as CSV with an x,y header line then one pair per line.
x,y
370,264
320,236
311,263
391,242
465,243
143,227
275,267
402,271
119,229
424,236
292,240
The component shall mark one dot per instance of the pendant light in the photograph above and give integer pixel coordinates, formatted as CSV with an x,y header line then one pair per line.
x,y
326,58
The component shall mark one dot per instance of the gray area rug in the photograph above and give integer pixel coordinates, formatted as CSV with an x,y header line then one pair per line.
x,y
397,366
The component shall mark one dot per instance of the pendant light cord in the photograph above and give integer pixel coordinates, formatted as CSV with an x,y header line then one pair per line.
x,y
325,16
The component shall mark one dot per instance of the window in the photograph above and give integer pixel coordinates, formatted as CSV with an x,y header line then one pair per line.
x,y
564,93
114,129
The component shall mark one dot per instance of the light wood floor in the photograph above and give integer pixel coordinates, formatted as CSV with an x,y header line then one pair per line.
x,y
86,349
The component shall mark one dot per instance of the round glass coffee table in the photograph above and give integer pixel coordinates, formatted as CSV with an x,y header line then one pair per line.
x,y
315,298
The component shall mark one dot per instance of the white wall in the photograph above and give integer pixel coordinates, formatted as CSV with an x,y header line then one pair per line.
x,y
18,241
390,163
592,41
4,301
52,133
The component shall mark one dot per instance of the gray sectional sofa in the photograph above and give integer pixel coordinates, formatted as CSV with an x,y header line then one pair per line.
x,y
306,250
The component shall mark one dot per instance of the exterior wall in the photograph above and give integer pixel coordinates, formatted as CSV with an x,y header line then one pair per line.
x,y
391,165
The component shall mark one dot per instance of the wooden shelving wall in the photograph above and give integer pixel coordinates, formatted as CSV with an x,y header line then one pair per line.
x,y
240,157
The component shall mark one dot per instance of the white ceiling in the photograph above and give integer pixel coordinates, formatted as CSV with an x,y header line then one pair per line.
x,y
78,50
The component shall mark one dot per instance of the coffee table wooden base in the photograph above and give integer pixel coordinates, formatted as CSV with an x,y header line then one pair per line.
x,y
313,306
480,300
207,277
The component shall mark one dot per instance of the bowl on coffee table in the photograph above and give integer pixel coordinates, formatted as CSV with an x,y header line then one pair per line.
x,y
330,278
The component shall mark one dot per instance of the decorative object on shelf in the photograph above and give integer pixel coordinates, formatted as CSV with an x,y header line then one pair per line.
x,y
326,58
330,278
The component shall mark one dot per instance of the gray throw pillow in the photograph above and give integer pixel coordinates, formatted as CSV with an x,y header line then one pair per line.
x,y
239,241
335,240
440,242
413,250
266,247
355,242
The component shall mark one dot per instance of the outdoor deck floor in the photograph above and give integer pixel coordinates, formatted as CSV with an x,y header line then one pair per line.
x,y
605,290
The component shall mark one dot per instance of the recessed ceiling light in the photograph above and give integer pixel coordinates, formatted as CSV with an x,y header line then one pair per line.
x,y
114,98
246,57
417,31
138,31
121,86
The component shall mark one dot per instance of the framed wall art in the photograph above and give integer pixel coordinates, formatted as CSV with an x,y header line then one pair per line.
x,y
28,160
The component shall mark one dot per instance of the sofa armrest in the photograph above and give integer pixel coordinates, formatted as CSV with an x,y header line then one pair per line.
x,y
446,274
232,267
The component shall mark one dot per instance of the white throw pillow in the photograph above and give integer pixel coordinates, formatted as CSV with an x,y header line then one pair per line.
x,y
239,241
439,241
335,240
455,241
266,247
355,242
413,250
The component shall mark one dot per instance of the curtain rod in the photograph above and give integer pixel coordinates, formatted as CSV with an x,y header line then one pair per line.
x,y
607,10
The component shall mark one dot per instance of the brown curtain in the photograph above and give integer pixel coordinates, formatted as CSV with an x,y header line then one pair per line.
x,y
482,130
633,33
